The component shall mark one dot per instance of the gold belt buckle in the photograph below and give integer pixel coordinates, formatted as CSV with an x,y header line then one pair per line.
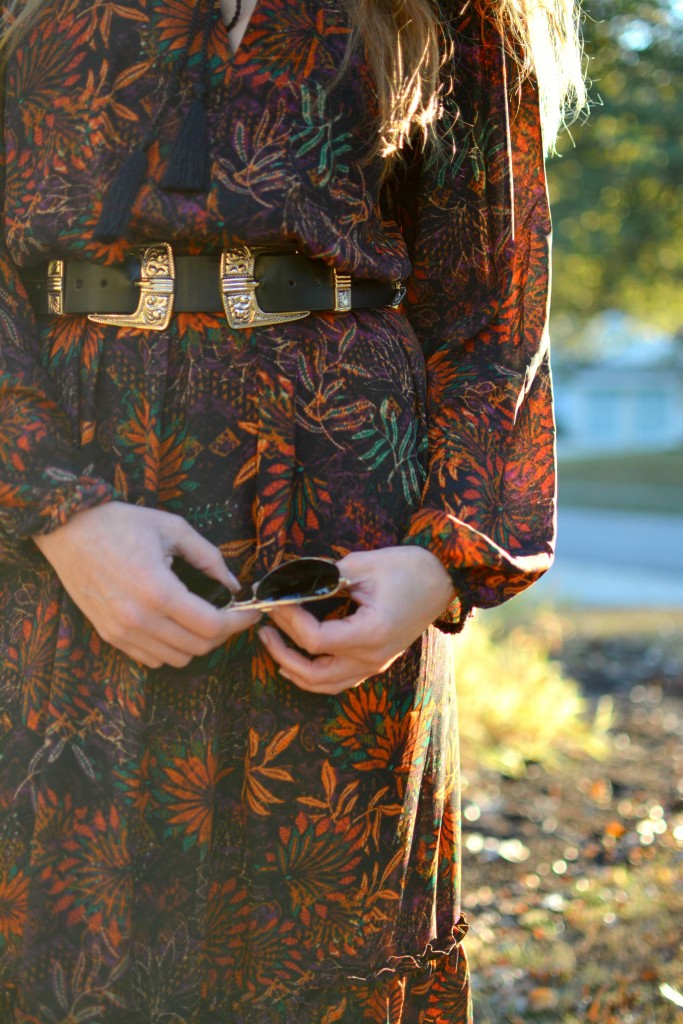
x,y
156,284
238,288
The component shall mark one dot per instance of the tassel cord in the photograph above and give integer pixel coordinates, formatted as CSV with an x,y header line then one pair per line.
x,y
118,201
236,16
180,65
204,67
188,166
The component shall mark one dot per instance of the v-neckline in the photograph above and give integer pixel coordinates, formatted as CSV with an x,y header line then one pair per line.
x,y
234,50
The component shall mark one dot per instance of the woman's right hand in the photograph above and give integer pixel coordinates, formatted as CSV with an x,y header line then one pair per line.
x,y
114,561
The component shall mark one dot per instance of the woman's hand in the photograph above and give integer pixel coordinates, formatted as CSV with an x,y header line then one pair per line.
x,y
115,562
399,591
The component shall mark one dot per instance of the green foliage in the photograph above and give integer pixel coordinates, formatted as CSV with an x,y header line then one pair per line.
x,y
640,481
515,705
617,186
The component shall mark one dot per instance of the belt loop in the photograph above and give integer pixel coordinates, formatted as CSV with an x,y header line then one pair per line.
x,y
55,287
399,294
342,292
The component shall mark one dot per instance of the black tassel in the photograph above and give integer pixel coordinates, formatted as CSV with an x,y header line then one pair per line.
x,y
122,193
188,165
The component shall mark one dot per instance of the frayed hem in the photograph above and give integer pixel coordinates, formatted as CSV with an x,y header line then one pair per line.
x,y
408,963
332,981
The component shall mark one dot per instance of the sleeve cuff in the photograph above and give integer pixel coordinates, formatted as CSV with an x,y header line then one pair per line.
x,y
454,618
62,501
483,574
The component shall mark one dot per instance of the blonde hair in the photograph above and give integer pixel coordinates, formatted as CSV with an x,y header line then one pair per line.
x,y
406,45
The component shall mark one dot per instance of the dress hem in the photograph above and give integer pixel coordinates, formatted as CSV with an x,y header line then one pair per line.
x,y
288,1008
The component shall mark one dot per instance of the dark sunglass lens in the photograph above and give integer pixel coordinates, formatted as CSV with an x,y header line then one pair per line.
x,y
200,584
299,580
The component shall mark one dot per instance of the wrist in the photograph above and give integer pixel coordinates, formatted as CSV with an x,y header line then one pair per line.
x,y
430,570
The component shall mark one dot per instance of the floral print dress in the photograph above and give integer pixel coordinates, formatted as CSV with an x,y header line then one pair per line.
x,y
212,845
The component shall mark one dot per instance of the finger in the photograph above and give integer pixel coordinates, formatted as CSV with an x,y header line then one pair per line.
x,y
201,618
170,645
168,631
199,552
325,671
154,655
228,622
327,690
142,656
163,609
356,631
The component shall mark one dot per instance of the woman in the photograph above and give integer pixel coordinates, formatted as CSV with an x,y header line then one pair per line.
x,y
210,816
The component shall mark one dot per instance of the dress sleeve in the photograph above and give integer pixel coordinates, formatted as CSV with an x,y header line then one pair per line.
x,y
478,228
44,477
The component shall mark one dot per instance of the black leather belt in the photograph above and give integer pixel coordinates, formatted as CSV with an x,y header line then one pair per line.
x,y
251,284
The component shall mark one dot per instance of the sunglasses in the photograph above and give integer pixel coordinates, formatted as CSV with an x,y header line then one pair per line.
x,y
294,582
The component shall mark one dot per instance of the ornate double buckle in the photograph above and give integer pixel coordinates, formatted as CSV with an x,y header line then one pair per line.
x,y
156,284
238,288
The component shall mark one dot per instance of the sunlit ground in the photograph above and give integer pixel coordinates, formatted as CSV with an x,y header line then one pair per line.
x,y
571,729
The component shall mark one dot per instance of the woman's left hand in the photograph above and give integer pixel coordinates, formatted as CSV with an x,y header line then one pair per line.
x,y
399,592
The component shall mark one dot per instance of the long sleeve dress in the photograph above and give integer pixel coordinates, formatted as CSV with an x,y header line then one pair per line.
x,y
211,845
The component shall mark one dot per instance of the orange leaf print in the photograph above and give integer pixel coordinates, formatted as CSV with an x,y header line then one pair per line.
x,y
191,784
130,75
247,471
329,780
87,432
72,337
105,25
235,548
120,482
280,742
13,905
258,797
125,113
9,496
348,799
254,792
334,1013
140,434
171,473
129,12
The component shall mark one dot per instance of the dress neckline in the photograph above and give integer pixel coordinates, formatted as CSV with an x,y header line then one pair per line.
x,y
235,49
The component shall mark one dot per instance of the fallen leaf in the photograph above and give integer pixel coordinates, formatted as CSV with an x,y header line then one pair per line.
x,y
541,999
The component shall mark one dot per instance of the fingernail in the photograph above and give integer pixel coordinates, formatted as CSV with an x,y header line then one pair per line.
x,y
264,637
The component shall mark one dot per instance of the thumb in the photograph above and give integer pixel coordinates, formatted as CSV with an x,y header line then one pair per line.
x,y
184,541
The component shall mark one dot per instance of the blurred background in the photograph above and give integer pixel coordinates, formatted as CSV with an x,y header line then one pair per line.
x,y
617,314
571,695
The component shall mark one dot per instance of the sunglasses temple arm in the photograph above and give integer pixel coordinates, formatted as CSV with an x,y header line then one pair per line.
x,y
253,604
